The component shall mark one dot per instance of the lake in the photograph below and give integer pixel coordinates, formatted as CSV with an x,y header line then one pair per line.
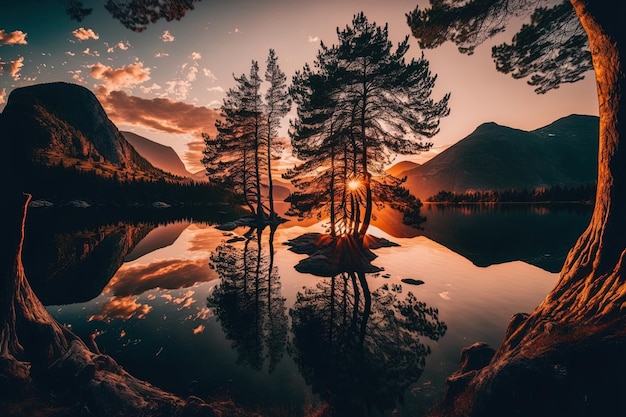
x,y
197,310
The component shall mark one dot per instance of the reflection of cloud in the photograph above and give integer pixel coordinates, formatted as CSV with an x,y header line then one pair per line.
x,y
167,36
121,308
198,329
83,34
17,37
445,295
184,299
126,76
160,114
166,274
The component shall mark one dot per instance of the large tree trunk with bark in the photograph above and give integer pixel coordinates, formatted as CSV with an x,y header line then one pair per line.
x,y
566,357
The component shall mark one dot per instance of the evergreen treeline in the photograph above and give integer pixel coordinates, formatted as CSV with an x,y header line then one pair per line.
x,y
63,184
556,193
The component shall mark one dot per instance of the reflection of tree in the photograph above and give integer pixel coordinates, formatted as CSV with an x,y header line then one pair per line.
x,y
357,349
248,301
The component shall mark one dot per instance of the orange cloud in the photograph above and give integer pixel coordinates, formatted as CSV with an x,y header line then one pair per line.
x,y
164,274
17,37
15,67
122,308
126,76
160,114
3,95
83,34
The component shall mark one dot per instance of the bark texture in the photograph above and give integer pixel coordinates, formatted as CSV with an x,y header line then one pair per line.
x,y
566,357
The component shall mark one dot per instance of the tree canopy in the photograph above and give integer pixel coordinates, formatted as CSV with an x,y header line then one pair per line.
x,y
359,105
550,50
135,15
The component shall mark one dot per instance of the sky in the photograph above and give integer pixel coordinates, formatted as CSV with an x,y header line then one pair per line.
x,y
167,82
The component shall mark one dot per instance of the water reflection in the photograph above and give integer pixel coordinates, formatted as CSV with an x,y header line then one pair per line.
x,y
359,349
353,338
70,255
489,234
248,300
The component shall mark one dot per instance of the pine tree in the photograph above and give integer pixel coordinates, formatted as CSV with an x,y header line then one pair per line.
x,y
362,105
277,105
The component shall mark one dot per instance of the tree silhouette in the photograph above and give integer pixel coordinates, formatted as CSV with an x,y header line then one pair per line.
x,y
248,301
135,15
552,49
277,105
361,350
381,107
241,154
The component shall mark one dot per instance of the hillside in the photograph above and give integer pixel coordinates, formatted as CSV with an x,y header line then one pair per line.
x,y
64,124
161,156
397,170
495,157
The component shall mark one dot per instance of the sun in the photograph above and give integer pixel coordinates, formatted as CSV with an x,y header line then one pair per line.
x,y
354,184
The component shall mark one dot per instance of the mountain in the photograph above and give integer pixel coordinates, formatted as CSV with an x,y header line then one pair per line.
x,y
397,170
64,124
496,157
161,156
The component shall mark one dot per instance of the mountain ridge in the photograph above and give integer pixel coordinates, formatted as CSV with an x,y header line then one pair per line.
x,y
495,157
161,156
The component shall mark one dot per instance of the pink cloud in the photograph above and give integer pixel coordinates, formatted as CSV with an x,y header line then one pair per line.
x,y
83,34
17,37
121,308
3,96
126,76
167,36
160,114
15,67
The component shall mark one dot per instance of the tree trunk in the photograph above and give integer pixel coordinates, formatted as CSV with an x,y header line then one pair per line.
x,y
566,357
28,334
591,289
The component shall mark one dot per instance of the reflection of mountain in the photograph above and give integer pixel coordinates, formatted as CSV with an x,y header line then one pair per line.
x,y
71,254
487,235
158,238
71,267
361,350
248,300
495,157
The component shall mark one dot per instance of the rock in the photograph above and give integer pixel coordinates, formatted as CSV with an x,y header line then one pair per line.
x,y
412,281
476,356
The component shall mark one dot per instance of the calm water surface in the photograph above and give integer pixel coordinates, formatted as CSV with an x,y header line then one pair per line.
x,y
196,310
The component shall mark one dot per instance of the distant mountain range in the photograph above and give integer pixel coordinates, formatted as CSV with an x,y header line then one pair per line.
x,y
161,156
495,157
64,124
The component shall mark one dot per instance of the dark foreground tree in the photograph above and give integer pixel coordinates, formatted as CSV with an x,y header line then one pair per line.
x,y
584,313
135,15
